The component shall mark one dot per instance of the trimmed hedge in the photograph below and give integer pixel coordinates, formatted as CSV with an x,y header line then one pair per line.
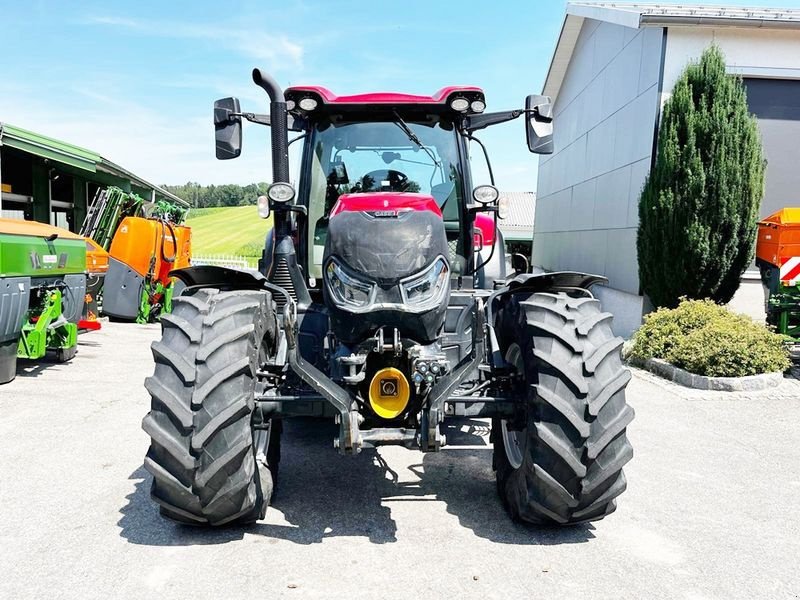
x,y
707,339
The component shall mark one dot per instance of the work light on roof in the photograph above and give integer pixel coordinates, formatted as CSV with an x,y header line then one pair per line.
x,y
459,104
478,106
308,104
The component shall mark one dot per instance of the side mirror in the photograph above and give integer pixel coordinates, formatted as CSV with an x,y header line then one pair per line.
x,y
539,124
227,128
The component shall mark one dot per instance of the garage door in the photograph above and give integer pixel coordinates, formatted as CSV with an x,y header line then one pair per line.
x,y
776,103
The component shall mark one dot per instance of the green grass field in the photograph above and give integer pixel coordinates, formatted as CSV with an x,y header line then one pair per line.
x,y
236,231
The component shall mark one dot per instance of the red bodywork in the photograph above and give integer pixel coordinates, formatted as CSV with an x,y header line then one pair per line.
x,y
396,201
385,201
329,97
484,230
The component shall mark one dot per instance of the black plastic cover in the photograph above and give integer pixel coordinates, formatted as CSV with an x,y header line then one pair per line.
x,y
385,249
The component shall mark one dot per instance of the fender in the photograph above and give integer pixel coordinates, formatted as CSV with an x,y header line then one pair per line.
x,y
557,281
223,278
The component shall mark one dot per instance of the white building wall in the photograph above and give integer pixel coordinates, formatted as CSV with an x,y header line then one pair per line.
x,y
772,53
588,190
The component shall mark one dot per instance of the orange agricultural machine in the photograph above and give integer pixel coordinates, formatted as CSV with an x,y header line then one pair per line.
x,y
778,258
144,242
142,254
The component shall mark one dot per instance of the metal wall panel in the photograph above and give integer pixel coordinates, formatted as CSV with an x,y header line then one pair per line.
x,y
588,190
776,103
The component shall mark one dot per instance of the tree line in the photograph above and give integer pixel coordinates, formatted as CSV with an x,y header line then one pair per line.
x,y
229,194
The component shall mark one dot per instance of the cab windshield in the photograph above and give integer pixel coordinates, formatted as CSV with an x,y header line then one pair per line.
x,y
358,157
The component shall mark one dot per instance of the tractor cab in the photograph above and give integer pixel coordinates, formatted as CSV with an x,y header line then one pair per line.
x,y
382,143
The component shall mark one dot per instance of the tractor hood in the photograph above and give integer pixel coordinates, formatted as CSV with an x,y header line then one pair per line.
x,y
386,236
386,264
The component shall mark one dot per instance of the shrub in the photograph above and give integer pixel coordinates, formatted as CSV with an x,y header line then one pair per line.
x,y
707,339
699,205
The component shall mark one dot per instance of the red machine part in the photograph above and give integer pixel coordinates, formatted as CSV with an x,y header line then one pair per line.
x,y
484,231
89,325
384,201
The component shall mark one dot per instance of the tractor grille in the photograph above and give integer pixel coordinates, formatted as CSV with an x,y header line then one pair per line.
x,y
282,278
452,246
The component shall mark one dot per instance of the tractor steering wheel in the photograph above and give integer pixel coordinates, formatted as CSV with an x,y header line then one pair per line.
x,y
373,181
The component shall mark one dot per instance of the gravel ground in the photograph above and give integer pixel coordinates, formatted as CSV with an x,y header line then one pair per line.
x,y
712,509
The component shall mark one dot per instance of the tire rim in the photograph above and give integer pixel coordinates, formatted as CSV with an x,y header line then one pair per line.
x,y
261,443
514,441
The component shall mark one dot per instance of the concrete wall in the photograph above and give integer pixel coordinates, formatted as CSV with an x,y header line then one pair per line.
x,y
588,190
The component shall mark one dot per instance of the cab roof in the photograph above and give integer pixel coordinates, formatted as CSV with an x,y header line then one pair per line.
x,y
328,97
439,102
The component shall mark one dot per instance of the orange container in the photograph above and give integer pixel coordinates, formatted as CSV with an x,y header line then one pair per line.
x,y
139,241
96,258
183,255
779,236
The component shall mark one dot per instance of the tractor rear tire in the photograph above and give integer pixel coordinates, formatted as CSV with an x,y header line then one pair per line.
x,y
561,462
202,454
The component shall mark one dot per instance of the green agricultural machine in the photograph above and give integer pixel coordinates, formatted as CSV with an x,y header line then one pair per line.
x,y
42,291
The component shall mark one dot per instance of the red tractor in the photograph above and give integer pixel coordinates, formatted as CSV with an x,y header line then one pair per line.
x,y
377,304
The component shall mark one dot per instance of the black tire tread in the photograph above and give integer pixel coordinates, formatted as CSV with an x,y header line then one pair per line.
x,y
201,454
576,442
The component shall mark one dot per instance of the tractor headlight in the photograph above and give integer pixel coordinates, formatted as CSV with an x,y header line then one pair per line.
x,y
347,289
281,192
485,194
427,287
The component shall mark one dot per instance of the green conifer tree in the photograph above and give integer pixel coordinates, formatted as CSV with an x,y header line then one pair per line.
x,y
699,206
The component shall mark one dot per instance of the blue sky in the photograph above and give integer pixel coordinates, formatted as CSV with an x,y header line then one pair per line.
x,y
135,81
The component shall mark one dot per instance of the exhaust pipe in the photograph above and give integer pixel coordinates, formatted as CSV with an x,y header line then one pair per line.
x,y
279,125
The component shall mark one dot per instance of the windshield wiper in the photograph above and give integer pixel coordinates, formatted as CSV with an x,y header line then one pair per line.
x,y
413,137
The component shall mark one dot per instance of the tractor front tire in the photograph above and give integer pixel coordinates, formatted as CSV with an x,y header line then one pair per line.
x,y
561,462
202,454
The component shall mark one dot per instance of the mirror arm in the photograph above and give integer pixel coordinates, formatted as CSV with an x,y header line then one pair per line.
x,y
252,117
476,122
538,115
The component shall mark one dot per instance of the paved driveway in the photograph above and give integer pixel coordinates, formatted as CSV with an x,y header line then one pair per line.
x,y
712,509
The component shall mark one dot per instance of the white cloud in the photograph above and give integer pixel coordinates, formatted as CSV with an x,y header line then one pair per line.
x,y
249,42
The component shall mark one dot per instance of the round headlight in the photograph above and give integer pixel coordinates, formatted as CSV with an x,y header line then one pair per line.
x,y
290,105
485,194
281,192
459,104
308,104
478,106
